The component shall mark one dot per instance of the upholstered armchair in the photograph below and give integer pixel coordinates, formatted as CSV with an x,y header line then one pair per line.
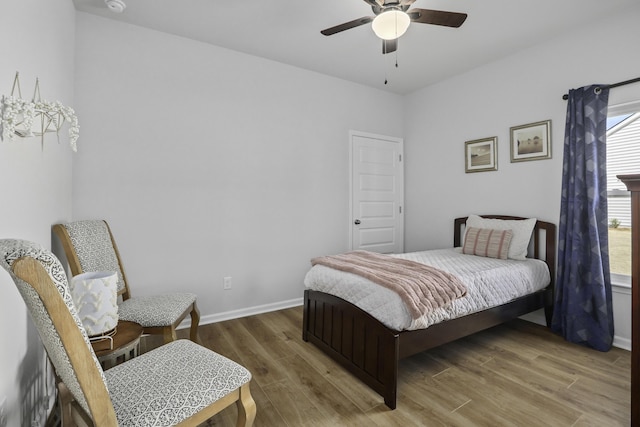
x,y
90,246
176,383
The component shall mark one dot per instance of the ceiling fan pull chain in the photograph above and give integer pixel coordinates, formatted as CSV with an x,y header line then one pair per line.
x,y
386,71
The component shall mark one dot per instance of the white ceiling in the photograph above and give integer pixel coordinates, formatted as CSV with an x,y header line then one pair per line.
x,y
288,31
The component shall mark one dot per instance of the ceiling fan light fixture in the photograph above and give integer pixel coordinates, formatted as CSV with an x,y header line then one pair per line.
x,y
391,24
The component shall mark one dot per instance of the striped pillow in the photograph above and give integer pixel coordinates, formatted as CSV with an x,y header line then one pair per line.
x,y
487,242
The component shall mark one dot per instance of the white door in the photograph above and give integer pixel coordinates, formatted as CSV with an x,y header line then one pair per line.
x,y
377,193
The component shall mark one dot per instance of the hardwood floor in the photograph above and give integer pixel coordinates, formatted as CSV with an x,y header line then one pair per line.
x,y
518,374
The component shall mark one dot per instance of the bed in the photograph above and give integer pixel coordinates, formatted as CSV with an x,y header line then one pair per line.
x,y
371,351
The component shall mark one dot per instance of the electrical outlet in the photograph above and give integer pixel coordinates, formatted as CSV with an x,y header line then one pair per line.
x,y
3,412
226,283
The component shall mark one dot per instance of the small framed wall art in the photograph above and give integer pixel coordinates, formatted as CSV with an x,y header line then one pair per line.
x,y
531,142
481,155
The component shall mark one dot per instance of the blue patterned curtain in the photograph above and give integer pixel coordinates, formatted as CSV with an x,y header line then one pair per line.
x,y
583,312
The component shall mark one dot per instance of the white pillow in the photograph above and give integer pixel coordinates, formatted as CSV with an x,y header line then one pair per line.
x,y
521,228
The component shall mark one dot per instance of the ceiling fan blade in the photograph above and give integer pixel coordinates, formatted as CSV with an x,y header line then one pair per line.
x,y
437,17
389,46
347,25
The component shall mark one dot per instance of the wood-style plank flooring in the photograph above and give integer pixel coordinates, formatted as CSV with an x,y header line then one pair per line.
x,y
517,374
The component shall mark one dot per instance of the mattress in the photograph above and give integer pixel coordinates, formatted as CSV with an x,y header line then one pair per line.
x,y
490,282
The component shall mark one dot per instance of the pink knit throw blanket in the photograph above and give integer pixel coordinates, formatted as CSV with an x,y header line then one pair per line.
x,y
421,287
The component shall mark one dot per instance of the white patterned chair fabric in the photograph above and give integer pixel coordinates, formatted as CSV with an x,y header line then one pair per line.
x,y
89,246
179,379
177,382
10,251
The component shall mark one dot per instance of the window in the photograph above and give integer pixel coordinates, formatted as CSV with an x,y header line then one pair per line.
x,y
623,158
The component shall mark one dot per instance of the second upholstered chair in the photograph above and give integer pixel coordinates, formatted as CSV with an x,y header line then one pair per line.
x,y
179,383
90,246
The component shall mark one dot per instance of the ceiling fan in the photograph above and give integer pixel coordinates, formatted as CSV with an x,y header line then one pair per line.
x,y
392,18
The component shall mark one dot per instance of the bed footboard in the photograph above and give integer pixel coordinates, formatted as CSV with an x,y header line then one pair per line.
x,y
371,351
355,339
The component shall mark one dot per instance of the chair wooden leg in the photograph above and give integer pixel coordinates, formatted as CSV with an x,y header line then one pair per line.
x,y
64,400
246,407
195,322
169,334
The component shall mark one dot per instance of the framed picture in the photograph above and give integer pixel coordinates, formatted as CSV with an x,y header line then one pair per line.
x,y
481,155
531,142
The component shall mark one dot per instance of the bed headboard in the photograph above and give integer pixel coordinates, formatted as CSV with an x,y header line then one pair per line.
x,y
542,245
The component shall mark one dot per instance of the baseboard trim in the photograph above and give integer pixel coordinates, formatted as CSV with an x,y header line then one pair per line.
x,y
621,342
535,317
244,312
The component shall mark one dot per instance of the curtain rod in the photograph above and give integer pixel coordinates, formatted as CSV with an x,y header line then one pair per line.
x,y
626,82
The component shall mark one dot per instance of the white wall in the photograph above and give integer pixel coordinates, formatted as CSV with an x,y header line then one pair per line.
x,y
210,163
38,41
523,88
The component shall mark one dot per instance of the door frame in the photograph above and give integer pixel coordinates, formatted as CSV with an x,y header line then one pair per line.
x,y
392,139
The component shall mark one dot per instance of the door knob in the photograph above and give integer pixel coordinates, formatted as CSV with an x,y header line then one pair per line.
x,y
356,222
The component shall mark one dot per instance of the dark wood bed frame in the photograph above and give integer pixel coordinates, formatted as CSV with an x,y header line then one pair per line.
x,y
371,351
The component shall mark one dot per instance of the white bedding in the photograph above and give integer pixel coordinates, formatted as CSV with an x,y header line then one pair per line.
x,y
490,282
